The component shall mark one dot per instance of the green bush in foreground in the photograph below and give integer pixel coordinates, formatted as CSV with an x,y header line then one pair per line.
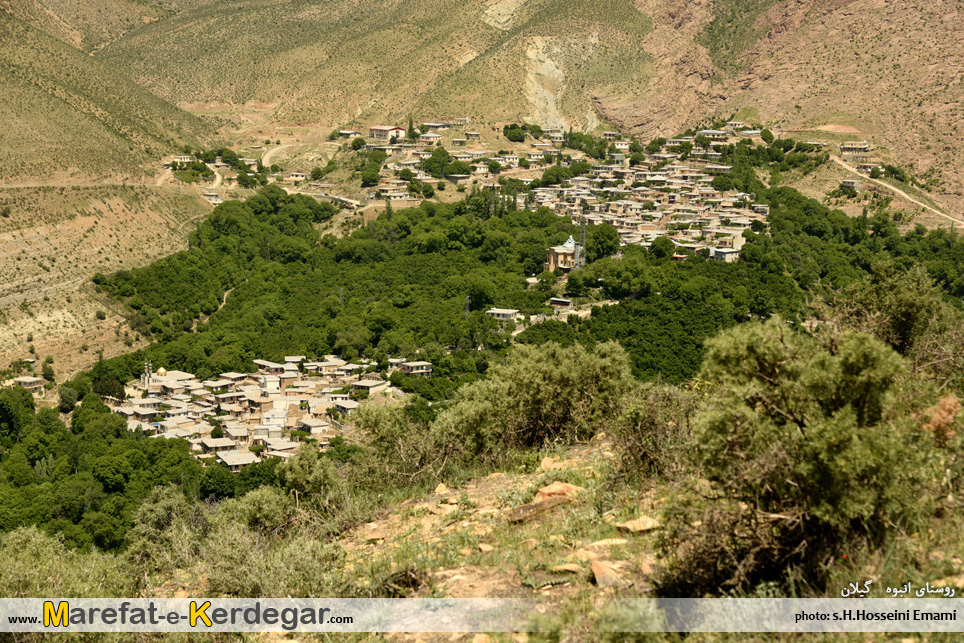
x,y
808,447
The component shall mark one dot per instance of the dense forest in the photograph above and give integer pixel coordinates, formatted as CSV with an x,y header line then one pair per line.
x,y
84,482
415,280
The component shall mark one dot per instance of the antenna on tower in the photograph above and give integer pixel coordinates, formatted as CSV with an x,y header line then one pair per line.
x,y
467,301
580,259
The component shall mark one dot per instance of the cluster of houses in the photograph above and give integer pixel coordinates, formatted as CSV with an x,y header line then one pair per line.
x,y
661,197
862,156
259,414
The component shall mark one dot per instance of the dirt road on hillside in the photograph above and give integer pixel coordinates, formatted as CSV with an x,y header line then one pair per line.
x,y
897,191
266,159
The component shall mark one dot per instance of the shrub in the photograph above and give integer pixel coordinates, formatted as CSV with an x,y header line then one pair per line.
x,y
68,399
654,431
166,531
403,447
809,447
541,394
41,565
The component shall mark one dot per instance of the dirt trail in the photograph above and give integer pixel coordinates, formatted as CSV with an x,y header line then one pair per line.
x,y
898,191
266,159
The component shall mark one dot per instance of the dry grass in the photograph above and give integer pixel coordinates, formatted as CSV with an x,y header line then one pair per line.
x,y
64,112
56,238
431,57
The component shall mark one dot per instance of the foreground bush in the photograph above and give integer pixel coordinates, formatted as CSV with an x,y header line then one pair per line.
x,y
540,395
807,447
33,563
653,434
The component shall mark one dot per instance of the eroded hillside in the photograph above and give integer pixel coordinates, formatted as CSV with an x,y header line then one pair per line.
x,y
885,71
52,239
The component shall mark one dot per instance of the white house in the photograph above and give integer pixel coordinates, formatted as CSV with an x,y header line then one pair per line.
x,y
502,314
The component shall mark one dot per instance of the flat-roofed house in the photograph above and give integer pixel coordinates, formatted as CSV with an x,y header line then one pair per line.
x,y
234,378
236,460
32,384
854,147
714,134
372,386
423,369
345,406
265,366
347,370
217,386
502,314
239,434
727,255
386,132
276,444
314,426
216,445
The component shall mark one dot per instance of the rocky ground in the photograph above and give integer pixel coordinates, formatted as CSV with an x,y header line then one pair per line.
x,y
560,532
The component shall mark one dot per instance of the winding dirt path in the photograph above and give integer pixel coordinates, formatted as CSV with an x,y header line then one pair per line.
x,y
898,191
164,177
266,159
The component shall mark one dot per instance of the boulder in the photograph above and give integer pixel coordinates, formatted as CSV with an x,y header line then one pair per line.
x,y
604,573
558,490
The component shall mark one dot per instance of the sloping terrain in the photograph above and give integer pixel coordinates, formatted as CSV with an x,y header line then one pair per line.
x,y
493,60
865,69
66,113
84,25
891,71
52,239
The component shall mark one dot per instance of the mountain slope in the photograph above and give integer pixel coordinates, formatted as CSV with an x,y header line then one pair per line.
x,y
66,112
860,69
84,25
543,59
